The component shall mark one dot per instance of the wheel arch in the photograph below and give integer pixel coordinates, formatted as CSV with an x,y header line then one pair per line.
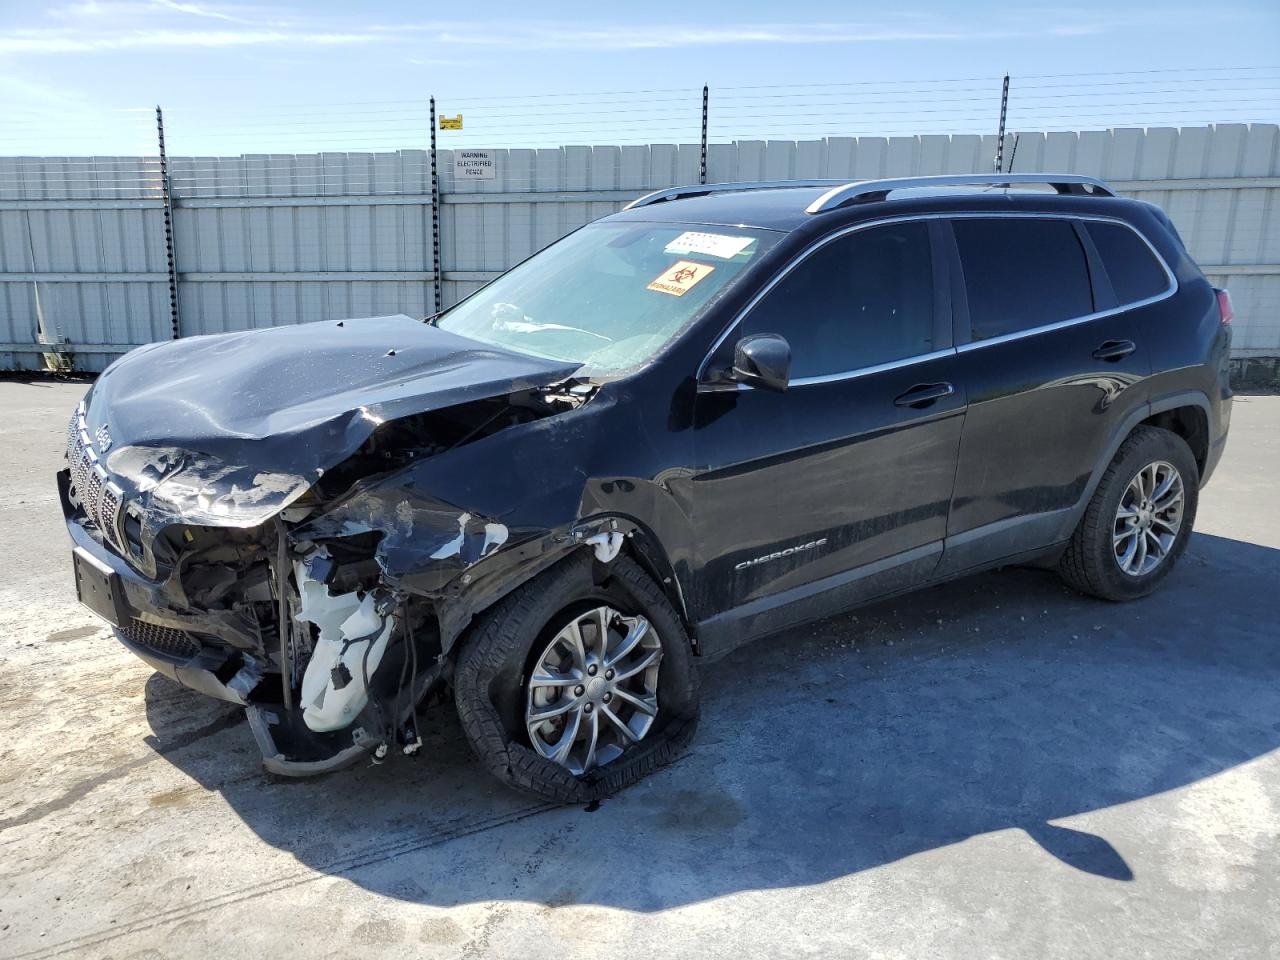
x,y
456,610
1190,421
643,546
1174,408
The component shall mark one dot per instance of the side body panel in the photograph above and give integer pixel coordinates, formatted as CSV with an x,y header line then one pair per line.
x,y
1043,412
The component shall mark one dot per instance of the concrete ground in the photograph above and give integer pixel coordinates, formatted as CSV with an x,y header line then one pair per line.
x,y
995,768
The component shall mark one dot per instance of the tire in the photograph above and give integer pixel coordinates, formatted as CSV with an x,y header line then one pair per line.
x,y
495,662
1089,563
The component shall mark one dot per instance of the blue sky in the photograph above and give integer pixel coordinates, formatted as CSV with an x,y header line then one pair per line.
x,y
81,77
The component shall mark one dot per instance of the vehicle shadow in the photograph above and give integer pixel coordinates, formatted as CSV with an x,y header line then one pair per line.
x,y
1001,701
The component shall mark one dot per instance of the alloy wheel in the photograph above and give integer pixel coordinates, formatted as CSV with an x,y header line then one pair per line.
x,y
1148,518
594,689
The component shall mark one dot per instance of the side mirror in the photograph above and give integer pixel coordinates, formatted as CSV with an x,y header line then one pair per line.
x,y
762,360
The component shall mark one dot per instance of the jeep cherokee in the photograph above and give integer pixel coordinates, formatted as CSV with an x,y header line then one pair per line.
x,y
722,411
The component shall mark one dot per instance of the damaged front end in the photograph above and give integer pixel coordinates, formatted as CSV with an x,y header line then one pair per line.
x,y
203,578
352,667
305,574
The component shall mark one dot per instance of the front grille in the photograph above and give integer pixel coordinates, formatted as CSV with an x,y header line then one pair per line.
x,y
92,493
163,641
96,494
110,503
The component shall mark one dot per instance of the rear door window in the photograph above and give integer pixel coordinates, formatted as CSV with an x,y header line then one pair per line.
x,y
860,300
1021,273
1134,271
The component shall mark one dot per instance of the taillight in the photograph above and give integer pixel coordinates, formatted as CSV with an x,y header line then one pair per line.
x,y
1224,306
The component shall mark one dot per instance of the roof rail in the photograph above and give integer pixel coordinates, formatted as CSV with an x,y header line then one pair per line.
x,y
864,191
701,190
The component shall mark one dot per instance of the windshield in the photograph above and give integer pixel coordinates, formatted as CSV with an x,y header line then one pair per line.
x,y
610,295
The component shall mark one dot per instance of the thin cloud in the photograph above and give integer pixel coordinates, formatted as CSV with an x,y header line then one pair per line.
x,y
100,11
436,62
196,10
124,16
63,41
68,40
643,37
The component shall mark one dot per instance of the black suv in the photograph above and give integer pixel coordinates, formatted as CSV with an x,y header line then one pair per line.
x,y
725,410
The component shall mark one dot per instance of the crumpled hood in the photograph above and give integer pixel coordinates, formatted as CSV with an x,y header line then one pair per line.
x,y
299,399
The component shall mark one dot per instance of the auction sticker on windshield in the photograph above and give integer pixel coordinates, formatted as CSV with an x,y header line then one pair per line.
x,y
719,245
680,277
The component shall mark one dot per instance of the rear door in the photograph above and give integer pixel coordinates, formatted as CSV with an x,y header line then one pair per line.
x,y
1053,365
847,475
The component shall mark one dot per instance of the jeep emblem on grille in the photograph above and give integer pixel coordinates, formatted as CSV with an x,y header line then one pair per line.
x,y
103,436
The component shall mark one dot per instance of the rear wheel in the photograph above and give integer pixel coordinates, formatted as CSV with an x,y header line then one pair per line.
x,y
572,689
1137,525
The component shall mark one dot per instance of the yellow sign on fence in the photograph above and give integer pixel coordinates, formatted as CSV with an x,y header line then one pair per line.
x,y
450,123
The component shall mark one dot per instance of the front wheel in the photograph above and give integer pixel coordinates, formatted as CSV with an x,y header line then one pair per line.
x,y
572,689
1137,525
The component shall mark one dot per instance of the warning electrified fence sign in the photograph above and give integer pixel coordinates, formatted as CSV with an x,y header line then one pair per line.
x,y
475,164
450,123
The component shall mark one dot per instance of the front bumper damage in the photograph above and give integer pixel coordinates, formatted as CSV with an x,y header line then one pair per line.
x,y
345,681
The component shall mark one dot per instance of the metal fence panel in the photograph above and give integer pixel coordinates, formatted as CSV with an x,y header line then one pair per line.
x,y
266,239
269,239
88,231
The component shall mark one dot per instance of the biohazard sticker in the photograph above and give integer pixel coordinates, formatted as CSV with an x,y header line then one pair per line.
x,y
681,277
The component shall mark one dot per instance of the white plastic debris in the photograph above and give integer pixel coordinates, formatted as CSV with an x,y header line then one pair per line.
x,y
353,637
606,545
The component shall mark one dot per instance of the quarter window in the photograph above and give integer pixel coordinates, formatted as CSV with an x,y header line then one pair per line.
x,y
1134,271
1021,273
861,300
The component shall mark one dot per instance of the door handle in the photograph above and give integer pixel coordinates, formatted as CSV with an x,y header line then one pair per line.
x,y
923,394
1115,350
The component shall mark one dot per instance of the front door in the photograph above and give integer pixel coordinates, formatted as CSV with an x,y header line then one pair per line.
x,y
808,500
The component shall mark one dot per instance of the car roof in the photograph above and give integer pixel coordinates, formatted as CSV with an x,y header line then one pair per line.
x,y
779,208
784,205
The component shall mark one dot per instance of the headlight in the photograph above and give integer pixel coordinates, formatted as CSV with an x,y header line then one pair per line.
x,y
194,488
